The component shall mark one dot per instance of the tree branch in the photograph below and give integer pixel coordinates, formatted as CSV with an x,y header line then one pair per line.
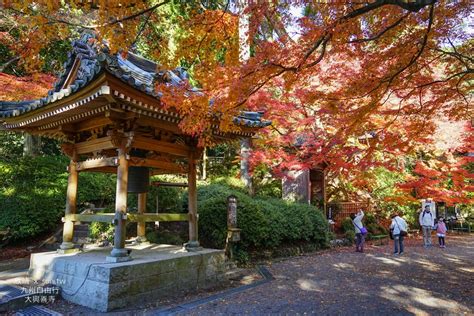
x,y
7,63
323,51
133,16
324,39
279,28
53,20
258,87
461,57
362,40
423,45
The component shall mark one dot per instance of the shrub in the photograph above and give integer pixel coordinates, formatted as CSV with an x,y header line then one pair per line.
x,y
350,235
101,231
266,223
369,218
96,188
170,199
164,237
374,229
264,184
347,225
348,229
33,193
370,222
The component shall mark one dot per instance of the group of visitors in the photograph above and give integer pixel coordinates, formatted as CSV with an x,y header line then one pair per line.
x,y
427,224
399,229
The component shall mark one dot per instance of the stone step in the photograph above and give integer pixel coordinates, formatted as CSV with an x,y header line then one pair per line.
x,y
81,228
229,265
235,274
77,244
81,240
81,233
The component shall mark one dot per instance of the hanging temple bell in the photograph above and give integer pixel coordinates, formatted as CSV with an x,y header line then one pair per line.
x,y
138,179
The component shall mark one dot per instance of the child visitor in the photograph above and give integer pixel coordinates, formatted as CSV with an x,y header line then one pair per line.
x,y
441,232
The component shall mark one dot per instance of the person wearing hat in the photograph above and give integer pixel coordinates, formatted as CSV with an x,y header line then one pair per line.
x,y
427,223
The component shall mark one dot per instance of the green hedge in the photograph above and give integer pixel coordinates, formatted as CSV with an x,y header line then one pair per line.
x,y
348,229
266,223
33,193
170,199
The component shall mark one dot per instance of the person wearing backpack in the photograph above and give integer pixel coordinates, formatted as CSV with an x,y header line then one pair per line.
x,y
427,223
360,230
399,229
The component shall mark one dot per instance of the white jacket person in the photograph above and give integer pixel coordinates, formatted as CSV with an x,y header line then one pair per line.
x,y
398,224
357,221
426,218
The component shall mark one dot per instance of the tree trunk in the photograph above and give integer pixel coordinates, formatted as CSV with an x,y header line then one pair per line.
x,y
245,152
31,145
245,144
204,164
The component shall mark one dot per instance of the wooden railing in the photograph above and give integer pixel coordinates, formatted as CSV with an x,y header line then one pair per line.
x,y
146,217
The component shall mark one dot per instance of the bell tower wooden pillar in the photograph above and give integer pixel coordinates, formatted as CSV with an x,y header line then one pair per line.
x,y
193,243
119,253
141,227
71,206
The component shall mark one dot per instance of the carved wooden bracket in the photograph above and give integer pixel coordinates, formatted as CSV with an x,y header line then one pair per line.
x,y
123,141
69,150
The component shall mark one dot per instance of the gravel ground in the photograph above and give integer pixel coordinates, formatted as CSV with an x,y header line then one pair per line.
x,y
430,281
340,281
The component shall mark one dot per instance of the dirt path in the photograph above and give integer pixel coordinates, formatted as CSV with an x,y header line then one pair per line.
x,y
430,281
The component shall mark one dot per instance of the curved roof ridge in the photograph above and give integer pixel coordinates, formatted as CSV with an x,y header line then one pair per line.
x,y
86,61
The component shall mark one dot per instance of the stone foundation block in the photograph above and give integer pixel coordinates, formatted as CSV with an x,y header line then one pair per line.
x,y
88,279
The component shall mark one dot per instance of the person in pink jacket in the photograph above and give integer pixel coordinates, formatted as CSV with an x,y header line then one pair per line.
x,y
441,232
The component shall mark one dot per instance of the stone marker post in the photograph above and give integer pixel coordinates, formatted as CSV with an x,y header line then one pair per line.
x,y
233,233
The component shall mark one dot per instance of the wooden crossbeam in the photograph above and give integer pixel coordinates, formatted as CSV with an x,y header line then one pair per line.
x,y
91,124
159,124
168,184
159,164
102,218
158,172
162,217
146,217
97,144
97,163
160,146
103,170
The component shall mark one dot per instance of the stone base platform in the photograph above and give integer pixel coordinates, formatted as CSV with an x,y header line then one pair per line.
x,y
87,279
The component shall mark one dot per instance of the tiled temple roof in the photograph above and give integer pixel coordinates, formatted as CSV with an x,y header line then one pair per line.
x,y
136,71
